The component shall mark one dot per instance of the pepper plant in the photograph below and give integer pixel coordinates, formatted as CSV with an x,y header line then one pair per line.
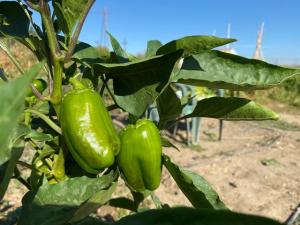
x,y
77,155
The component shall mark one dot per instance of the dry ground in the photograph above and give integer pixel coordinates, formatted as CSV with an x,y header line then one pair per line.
x,y
255,168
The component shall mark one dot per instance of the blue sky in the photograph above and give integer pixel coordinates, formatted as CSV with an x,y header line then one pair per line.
x,y
166,20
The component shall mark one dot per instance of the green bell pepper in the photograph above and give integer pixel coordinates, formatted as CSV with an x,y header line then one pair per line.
x,y
87,129
140,155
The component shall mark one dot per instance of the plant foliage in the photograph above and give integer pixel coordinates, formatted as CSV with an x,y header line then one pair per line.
x,y
63,192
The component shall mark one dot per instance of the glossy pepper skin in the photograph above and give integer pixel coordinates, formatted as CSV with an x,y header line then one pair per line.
x,y
140,156
39,84
88,129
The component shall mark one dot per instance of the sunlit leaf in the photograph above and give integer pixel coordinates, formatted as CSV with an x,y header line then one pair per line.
x,y
59,202
222,70
199,192
194,44
152,47
232,109
68,13
137,84
168,106
121,55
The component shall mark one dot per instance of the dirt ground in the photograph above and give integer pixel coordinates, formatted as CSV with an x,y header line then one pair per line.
x,y
255,168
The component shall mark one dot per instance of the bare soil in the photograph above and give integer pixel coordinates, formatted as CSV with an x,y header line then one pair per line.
x,y
255,168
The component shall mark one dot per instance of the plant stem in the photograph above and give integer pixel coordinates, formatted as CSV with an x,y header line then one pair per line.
x,y
56,55
107,88
174,122
36,92
156,201
11,57
17,175
24,164
27,118
50,31
32,5
112,107
102,89
57,84
46,119
32,144
77,31
24,182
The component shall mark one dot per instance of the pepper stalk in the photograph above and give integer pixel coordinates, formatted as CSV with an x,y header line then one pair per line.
x,y
55,54
57,58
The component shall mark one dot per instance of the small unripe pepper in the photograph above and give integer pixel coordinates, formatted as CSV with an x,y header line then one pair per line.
x,y
87,129
139,159
30,98
39,84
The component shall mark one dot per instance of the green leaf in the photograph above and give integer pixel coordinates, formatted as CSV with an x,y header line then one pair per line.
x,y
56,204
13,20
232,109
89,74
68,13
20,132
91,221
97,200
11,105
185,216
152,47
122,56
132,119
42,107
191,216
7,169
87,83
168,106
38,136
222,70
61,24
123,203
199,192
194,44
166,143
36,45
138,84
85,53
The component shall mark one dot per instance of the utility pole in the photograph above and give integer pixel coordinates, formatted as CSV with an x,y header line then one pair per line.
x,y
228,36
104,38
258,51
